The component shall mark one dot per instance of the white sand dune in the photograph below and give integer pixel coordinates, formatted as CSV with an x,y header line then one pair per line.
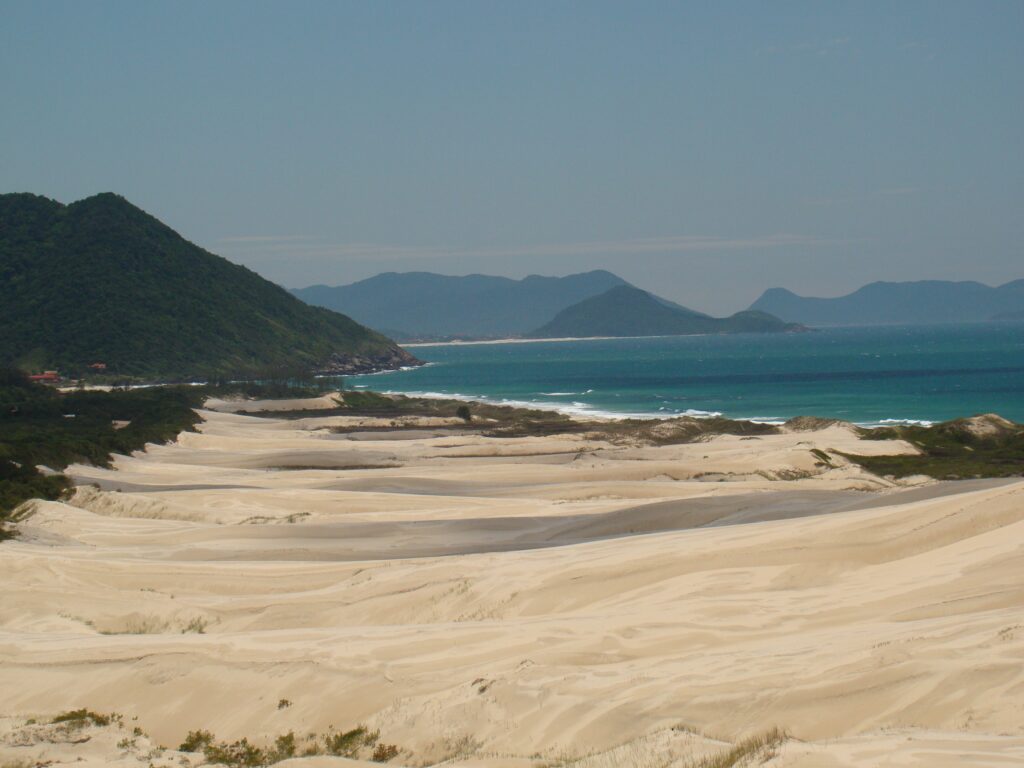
x,y
518,602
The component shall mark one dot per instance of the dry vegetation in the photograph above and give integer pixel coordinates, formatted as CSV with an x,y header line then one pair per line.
x,y
753,750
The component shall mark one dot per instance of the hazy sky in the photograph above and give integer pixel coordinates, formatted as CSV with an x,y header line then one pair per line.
x,y
704,151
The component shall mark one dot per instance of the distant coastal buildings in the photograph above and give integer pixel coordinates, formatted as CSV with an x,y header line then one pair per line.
x,y
54,377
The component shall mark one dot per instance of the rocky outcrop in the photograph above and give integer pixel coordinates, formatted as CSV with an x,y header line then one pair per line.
x,y
391,359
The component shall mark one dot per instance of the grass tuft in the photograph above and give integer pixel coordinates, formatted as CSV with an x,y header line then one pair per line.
x,y
348,743
245,754
760,747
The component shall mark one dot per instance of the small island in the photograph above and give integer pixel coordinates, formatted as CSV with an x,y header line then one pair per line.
x,y
629,311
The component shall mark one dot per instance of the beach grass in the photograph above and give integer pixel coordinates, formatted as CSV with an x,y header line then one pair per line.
x,y
980,446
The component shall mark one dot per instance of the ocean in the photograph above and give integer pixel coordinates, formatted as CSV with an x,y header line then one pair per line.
x,y
869,375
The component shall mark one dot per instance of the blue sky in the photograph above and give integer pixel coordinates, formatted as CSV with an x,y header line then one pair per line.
x,y
703,151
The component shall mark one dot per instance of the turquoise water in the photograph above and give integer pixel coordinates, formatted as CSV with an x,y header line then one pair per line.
x,y
865,375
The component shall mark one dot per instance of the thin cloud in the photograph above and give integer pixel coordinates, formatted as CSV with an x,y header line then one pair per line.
x,y
818,48
924,50
900,191
659,245
639,246
264,238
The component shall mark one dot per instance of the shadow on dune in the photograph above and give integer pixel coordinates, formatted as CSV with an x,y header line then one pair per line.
x,y
437,538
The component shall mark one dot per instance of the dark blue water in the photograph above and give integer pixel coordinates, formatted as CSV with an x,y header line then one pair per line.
x,y
865,375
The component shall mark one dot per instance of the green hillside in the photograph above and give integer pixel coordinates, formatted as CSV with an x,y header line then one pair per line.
x,y
629,311
100,280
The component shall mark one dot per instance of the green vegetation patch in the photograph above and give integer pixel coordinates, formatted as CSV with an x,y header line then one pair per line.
x,y
273,384
82,717
822,459
980,446
41,426
503,421
499,420
348,744
245,754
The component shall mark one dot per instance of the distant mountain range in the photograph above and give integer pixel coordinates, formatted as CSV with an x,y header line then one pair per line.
x,y
424,305
101,281
912,303
628,311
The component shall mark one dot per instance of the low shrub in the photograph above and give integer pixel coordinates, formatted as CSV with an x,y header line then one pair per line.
x,y
237,754
82,717
348,743
384,752
244,754
196,741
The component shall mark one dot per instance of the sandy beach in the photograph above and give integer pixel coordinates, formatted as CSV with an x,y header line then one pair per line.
x,y
529,601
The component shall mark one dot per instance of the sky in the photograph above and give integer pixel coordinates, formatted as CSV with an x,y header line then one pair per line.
x,y
703,151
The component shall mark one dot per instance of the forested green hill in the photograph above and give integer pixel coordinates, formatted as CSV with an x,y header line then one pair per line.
x,y
100,280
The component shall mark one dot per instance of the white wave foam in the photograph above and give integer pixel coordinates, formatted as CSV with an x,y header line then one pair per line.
x,y
773,420
895,422
395,370
576,408
581,409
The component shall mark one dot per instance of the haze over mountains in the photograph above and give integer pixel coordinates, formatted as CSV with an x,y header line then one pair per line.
x,y
911,303
629,311
101,281
425,306
413,305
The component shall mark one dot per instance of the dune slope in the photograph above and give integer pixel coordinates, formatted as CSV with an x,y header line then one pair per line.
x,y
519,601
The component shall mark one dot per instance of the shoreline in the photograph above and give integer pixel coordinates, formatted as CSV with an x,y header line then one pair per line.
x,y
576,410
477,342
582,411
